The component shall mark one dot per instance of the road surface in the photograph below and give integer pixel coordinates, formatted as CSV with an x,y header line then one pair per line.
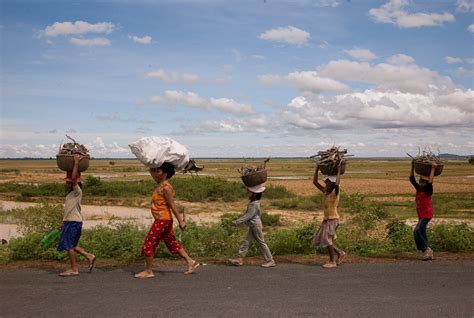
x,y
399,289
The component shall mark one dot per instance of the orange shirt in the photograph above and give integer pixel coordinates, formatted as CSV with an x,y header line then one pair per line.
x,y
159,207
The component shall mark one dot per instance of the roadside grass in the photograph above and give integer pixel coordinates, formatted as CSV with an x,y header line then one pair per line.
x,y
187,189
371,231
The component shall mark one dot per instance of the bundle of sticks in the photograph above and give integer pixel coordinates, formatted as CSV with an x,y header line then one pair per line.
x,y
73,148
331,156
249,170
426,156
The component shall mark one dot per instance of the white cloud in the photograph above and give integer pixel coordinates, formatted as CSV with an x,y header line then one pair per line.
x,y
258,57
405,78
310,81
258,123
192,99
173,77
142,40
361,54
470,28
289,35
326,3
78,27
379,109
465,5
453,60
400,59
90,42
109,117
461,71
393,12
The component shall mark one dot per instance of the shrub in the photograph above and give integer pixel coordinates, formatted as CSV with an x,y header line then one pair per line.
x,y
400,236
270,219
312,202
119,240
277,192
41,218
451,238
5,254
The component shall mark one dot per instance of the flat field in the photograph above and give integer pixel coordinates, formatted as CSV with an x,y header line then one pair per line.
x,y
382,180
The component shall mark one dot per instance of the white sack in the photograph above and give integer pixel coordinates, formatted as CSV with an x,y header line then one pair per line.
x,y
154,151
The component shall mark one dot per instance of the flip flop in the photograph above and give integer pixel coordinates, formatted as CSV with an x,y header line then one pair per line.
x,y
92,263
193,268
68,273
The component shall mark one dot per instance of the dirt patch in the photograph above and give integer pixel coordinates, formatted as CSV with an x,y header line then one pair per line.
x,y
378,186
317,259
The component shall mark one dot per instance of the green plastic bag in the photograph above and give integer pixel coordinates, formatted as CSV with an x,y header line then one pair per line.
x,y
50,237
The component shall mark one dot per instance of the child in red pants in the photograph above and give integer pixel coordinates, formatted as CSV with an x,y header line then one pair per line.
x,y
162,204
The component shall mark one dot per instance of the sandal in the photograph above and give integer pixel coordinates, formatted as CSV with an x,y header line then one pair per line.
x,y
192,268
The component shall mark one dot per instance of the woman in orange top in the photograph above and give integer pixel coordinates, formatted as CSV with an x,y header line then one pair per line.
x,y
162,204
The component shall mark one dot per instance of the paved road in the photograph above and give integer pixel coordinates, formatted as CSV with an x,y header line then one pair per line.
x,y
403,289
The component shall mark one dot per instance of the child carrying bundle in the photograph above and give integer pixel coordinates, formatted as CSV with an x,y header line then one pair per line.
x,y
254,180
332,162
427,165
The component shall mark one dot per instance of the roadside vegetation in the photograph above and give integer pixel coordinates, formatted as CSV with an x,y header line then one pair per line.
x,y
370,231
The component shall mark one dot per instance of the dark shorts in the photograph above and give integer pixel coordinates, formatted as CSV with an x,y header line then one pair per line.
x,y
70,235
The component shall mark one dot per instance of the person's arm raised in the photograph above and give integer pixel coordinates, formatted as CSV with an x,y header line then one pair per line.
x,y
315,179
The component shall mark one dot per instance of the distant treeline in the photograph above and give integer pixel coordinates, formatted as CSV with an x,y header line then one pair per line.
x,y
442,156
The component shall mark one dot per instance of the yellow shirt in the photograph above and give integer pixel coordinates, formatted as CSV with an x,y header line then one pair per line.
x,y
159,207
331,201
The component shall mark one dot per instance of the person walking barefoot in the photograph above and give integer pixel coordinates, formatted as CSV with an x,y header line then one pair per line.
x,y
72,222
162,205
326,233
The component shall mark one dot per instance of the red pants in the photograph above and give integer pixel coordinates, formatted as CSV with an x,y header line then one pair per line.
x,y
160,230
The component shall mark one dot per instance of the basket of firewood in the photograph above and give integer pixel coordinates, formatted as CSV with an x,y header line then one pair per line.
x,y
330,159
423,162
65,157
252,176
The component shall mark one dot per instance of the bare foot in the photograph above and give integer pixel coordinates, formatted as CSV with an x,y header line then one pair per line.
x,y
145,274
69,272
192,267
341,258
330,265
91,259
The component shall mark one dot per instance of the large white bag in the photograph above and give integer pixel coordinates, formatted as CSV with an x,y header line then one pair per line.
x,y
154,151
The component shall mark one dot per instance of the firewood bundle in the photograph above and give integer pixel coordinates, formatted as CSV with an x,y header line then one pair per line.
x,y
330,159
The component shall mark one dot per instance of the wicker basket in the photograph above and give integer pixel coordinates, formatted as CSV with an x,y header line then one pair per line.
x,y
66,163
424,169
330,169
255,178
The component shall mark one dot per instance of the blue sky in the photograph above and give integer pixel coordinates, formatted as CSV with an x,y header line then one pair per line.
x,y
238,78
